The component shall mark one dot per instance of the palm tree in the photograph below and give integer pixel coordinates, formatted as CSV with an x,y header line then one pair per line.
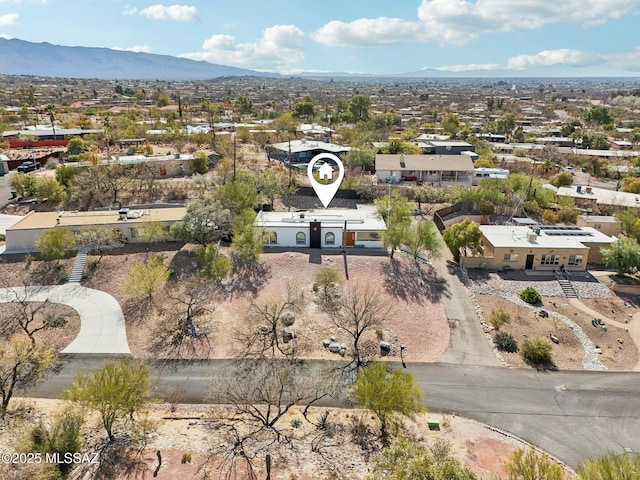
x,y
51,111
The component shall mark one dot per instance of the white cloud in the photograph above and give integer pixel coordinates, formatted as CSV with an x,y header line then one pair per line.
x,y
460,21
629,61
129,10
463,21
564,56
9,19
136,48
366,32
469,67
5,36
280,46
179,13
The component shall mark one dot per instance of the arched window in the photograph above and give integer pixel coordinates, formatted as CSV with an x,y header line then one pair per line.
x,y
301,238
329,238
273,238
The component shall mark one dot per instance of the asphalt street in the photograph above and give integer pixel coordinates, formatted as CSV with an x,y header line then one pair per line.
x,y
575,415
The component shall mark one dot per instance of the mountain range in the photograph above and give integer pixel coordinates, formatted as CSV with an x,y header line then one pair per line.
x,y
19,57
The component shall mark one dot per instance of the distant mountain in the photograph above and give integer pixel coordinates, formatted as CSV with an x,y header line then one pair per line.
x,y
18,57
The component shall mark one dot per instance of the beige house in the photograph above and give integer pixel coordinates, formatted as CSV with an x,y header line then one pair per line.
x,y
539,248
437,169
21,237
606,224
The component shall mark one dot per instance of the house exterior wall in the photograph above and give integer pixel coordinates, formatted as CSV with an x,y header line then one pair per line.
x,y
395,176
612,229
24,240
286,236
498,258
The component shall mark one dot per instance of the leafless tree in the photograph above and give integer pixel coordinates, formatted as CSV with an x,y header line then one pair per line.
x,y
31,317
184,328
263,335
359,310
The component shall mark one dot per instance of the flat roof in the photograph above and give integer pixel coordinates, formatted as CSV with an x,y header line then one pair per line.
x,y
601,196
37,220
502,236
437,163
600,218
298,146
7,221
362,218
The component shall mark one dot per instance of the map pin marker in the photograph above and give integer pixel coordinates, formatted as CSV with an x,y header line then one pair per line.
x,y
326,171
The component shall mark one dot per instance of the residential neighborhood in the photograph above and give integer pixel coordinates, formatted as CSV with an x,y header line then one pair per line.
x,y
479,259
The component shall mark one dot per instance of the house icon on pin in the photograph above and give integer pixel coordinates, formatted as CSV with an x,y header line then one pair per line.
x,y
325,171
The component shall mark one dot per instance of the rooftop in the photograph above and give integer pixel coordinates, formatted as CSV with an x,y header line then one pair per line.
x,y
38,220
298,146
436,163
601,196
501,236
362,218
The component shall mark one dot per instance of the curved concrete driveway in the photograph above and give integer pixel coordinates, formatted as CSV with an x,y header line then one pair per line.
x,y
102,326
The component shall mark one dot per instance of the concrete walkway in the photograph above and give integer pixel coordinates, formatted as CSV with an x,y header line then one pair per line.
x,y
102,326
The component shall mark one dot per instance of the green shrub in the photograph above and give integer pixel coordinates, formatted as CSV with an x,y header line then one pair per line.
x,y
505,342
536,350
531,296
499,318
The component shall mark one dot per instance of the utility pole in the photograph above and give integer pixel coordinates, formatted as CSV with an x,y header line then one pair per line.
x,y
234,156
289,161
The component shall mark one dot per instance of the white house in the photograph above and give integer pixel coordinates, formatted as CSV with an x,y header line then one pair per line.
x,y
324,228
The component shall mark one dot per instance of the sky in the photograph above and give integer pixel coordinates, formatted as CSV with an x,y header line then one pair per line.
x,y
517,37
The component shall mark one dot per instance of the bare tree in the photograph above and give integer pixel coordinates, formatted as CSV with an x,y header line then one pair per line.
x,y
185,328
359,310
267,332
28,315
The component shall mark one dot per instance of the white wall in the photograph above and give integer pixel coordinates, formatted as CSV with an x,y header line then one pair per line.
x,y
287,236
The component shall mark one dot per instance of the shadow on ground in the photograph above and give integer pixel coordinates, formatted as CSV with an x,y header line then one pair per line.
x,y
413,281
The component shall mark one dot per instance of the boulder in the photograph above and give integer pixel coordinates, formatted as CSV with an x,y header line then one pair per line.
x,y
287,318
287,335
334,347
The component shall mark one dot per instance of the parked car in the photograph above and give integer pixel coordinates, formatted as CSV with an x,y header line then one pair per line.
x,y
28,166
409,178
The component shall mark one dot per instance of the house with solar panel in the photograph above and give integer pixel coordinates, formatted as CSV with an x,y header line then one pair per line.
x,y
539,247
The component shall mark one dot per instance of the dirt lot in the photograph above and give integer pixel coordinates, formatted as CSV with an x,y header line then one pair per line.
x,y
416,318
189,430
618,350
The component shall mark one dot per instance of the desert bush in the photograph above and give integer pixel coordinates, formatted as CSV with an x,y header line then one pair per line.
x,y
550,217
531,296
505,342
536,350
499,318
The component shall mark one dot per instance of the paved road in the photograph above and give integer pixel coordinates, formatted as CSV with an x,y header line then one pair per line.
x,y
574,415
102,325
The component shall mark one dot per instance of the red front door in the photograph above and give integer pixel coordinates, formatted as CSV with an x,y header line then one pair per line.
x,y
351,239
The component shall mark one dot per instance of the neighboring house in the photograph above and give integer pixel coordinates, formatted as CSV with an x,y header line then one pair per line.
x,y
324,228
606,224
621,145
492,137
480,173
586,197
446,147
437,169
539,247
21,237
604,153
314,130
302,151
556,141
